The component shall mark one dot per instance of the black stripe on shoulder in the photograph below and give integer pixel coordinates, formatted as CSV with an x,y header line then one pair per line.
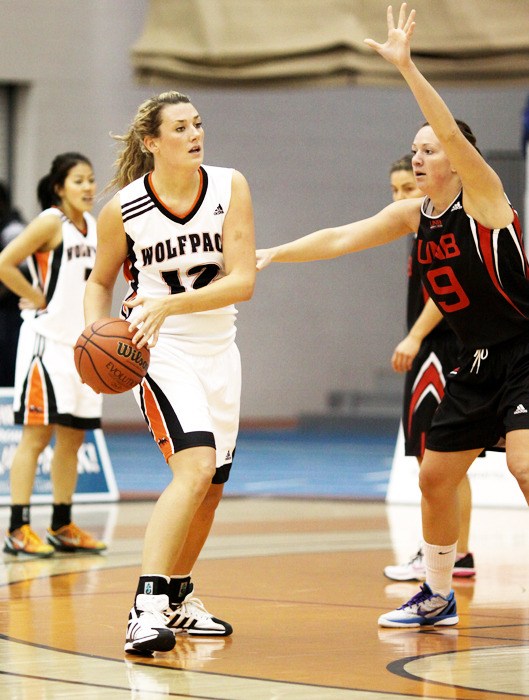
x,y
137,211
133,202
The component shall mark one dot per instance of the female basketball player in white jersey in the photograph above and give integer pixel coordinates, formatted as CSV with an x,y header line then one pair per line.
x,y
473,265
184,232
49,397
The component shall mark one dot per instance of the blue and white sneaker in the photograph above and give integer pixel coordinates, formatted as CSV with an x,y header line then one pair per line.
x,y
425,608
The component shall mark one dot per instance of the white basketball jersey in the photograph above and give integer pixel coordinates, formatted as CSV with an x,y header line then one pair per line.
x,y
172,254
62,275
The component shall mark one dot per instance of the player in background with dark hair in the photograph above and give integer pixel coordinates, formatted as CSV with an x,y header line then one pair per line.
x,y
49,397
11,224
474,267
428,352
185,233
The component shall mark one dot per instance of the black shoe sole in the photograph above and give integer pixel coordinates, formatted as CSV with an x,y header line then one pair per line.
x,y
165,642
16,552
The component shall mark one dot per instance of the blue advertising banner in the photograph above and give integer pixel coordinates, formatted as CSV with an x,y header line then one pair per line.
x,y
96,481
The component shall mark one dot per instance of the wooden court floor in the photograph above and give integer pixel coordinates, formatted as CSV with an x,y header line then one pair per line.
x,y
300,580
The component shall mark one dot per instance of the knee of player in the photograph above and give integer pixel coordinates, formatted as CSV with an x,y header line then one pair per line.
x,y
69,438
205,471
195,466
432,482
518,465
36,439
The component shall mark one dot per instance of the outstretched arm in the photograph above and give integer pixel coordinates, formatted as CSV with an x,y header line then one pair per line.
x,y
395,220
483,194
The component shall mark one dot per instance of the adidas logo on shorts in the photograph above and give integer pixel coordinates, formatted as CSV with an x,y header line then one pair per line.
x,y
520,409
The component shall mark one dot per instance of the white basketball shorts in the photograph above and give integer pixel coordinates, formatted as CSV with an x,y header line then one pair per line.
x,y
193,401
48,389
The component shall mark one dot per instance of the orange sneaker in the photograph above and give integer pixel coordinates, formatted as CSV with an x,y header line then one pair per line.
x,y
24,540
70,538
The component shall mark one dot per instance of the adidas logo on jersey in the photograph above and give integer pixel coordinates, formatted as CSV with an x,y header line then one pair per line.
x,y
218,210
520,409
456,206
228,456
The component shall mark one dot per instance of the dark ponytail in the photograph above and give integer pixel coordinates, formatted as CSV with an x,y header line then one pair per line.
x,y
60,167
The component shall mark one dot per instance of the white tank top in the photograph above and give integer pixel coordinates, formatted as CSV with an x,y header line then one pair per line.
x,y
62,275
171,254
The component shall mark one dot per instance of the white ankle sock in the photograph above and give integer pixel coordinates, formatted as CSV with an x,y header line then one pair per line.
x,y
439,561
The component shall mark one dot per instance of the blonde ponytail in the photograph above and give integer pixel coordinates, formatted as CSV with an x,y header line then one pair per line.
x,y
135,160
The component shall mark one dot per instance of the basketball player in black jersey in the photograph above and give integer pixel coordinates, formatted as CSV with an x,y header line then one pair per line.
x,y
473,265
428,352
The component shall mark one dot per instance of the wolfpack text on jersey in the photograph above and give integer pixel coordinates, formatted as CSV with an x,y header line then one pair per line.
x,y
173,254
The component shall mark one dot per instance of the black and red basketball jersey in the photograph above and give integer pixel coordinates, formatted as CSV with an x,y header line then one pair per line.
x,y
418,296
477,276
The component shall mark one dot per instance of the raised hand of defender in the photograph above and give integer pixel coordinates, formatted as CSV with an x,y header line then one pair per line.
x,y
396,49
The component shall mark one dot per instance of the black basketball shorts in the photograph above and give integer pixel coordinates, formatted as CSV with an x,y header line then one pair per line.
x,y
485,398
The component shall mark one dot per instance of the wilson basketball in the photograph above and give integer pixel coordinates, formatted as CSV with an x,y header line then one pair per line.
x,y
107,360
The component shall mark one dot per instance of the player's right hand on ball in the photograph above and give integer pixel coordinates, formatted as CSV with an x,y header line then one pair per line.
x,y
148,321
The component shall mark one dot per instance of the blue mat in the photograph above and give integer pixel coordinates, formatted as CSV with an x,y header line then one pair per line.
x,y
272,463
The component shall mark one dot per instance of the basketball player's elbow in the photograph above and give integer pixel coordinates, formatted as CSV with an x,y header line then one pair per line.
x,y
246,286
247,289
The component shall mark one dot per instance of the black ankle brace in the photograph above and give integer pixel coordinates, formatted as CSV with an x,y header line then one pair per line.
x,y
179,588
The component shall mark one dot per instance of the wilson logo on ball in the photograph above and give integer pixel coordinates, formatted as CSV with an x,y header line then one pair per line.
x,y
130,352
